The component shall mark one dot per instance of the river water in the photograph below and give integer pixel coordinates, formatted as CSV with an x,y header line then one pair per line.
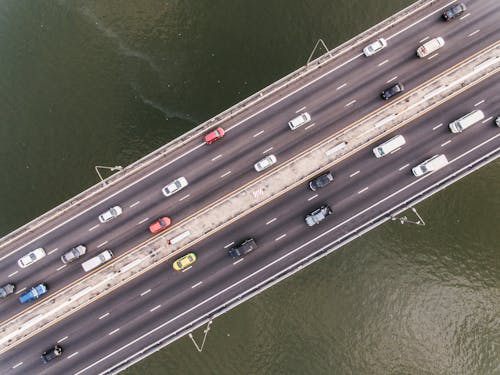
x,y
88,83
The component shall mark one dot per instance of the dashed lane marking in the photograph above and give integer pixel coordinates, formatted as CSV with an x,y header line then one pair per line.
x,y
341,86
140,222
239,260
145,292
60,268
396,150
13,273
155,308
464,16
266,151
350,103
17,364
95,226
280,237
473,33
197,284
363,190
184,197
225,174
423,40
113,332
403,167
21,290
310,126
188,268
105,242
445,143
52,251
259,133
72,355
311,198
354,174
229,244
271,221
392,79
103,316
479,103
437,126
432,56
300,109
134,204
61,340
217,157
383,62
488,119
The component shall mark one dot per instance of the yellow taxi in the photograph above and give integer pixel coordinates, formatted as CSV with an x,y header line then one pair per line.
x,y
184,261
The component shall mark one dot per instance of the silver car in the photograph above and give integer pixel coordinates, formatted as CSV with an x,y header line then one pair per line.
x,y
375,47
265,163
6,290
73,254
175,186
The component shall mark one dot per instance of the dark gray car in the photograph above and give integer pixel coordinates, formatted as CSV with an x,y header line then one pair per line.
x,y
6,290
321,181
243,248
393,90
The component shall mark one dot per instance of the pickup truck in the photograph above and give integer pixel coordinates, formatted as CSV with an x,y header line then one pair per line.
x,y
33,293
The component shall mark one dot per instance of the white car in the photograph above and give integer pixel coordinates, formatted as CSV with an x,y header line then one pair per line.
x,y
173,187
110,214
430,165
31,257
375,47
300,120
265,163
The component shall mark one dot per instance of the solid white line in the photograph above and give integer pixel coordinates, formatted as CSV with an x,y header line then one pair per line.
x,y
445,143
52,251
310,126
60,268
437,126
488,119
354,174
383,62
280,237
300,109
225,174
229,244
350,103
271,221
91,229
195,285
363,190
105,242
155,308
61,340
311,198
403,167
105,315
464,16
473,33
479,103
184,197
13,273
21,290
423,40
432,56
72,355
239,260
266,151
341,86
134,204
113,332
217,157
145,292
17,364
259,133
392,79
188,268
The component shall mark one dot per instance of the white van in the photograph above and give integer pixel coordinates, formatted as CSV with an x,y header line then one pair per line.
x,y
300,120
430,46
466,121
97,260
430,165
389,146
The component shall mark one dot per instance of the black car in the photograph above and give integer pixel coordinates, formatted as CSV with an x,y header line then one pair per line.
x,y
51,353
454,11
321,181
243,248
393,90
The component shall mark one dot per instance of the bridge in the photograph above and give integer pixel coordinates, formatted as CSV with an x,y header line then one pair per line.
x,y
142,304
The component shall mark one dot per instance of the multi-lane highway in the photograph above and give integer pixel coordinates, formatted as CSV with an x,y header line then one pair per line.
x,y
162,301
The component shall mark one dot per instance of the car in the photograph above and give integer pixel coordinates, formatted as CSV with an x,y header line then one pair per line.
x,y
430,46
52,353
393,90
321,181
243,248
375,47
265,163
184,262
453,11
497,121
110,214
33,293
73,254
31,257
175,186
300,120
6,290
214,135
318,215
160,224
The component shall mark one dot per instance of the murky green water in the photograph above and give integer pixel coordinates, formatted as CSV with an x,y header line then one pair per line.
x,y
105,82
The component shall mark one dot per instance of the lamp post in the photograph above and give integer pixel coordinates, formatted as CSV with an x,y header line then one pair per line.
x,y
115,168
404,219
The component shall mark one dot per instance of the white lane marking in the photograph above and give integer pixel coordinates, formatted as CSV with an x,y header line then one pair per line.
x,y
259,133
188,268
437,126
217,157
363,190
423,40
464,16
341,86
61,340
60,268
488,119
72,355
13,273
225,174
392,79
432,56
383,62
473,33
145,292
113,332
17,364
239,260
354,174
310,126
21,290
271,221
195,285
479,103
266,151
350,103
311,198
300,109
105,242
104,315
445,143
396,150
52,251
403,167
95,226
184,197
154,308
229,244
280,237
134,204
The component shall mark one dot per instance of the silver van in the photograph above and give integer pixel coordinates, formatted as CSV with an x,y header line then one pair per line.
x,y
428,47
389,146
300,120
466,121
96,261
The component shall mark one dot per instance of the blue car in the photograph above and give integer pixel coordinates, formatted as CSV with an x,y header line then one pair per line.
x,y
33,293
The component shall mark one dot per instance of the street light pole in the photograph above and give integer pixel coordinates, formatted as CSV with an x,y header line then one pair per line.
x,y
112,169
404,219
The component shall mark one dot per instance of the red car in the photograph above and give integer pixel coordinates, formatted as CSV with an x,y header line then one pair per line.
x,y
214,135
160,224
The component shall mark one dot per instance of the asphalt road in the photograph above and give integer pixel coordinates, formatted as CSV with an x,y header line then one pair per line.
x,y
162,299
